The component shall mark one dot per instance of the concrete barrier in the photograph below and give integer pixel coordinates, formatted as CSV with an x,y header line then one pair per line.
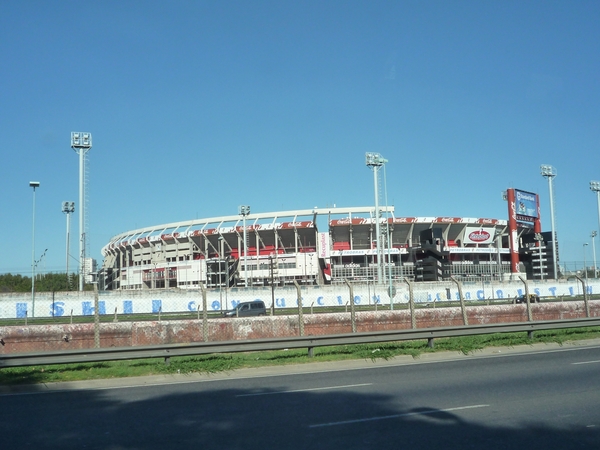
x,y
20,339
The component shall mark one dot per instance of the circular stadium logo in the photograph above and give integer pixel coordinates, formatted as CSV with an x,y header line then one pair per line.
x,y
479,236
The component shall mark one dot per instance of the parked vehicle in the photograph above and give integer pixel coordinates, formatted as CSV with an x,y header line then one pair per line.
x,y
247,309
533,298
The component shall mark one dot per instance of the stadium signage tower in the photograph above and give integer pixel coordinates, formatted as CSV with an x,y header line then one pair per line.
x,y
523,210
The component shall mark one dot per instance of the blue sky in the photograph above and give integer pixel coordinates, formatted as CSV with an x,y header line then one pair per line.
x,y
196,107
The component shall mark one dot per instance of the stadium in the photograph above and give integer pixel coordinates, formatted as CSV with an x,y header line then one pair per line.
x,y
328,246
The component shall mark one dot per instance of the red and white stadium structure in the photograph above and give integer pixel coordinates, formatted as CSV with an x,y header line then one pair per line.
x,y
288,246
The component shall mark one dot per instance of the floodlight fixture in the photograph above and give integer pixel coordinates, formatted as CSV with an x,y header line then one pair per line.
x,y
68,207
81,140
374,159
547,170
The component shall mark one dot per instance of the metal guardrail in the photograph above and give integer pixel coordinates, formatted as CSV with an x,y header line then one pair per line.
x,y
308,342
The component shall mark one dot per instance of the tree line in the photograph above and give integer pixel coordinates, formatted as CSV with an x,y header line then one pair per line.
x,y
48,282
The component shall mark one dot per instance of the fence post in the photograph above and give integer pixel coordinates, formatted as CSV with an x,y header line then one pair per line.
x,y
352,311
300,312
462,301
529,315
204,313
585,296
411,304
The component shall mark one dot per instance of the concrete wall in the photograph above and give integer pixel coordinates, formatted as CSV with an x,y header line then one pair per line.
x,y
17,339
61,304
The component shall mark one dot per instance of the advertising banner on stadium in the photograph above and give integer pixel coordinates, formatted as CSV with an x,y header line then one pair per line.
x,y
479,235
526,203
323,245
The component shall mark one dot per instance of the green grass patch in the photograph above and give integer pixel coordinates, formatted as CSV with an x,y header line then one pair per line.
x,y
228,362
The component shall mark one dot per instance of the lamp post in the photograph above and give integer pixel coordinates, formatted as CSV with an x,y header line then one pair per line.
x,y
33,184
549,172
585,263
593,236
68,208
244,210
81,143
375,161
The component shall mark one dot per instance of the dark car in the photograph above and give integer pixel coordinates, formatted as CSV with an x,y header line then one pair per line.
x,y
246,309
533,298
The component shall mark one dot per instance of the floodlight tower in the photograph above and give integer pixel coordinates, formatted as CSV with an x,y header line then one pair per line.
x,y
549,172
81,143
244,210
68,208
375,161
593,236
33,184
595,187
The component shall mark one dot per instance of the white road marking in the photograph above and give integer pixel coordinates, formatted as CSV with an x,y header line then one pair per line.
x,y
395,416
586,362
327,388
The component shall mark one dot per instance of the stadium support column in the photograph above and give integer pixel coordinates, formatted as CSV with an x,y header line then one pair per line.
x,y
512,231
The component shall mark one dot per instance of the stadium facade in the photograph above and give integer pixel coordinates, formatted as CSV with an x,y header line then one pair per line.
x,y
323,246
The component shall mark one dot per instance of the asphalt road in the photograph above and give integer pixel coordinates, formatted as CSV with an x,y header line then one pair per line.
x,y
509,399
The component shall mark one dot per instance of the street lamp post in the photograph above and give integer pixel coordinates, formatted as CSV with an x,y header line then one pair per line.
x,y
549,172
244,210
585,263
375,161
593,236
81,143
33,184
